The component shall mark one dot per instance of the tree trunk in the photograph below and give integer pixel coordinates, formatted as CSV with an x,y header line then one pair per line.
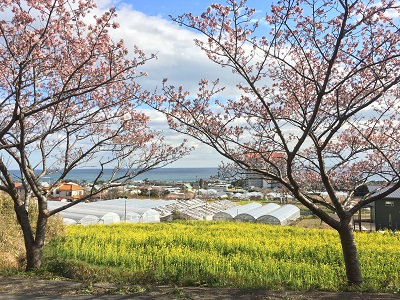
x,y
34,256
352,264
33,245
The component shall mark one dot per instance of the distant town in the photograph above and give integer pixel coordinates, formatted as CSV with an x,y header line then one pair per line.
x,y
210,199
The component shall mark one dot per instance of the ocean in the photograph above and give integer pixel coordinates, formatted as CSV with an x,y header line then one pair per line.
x,y
162,174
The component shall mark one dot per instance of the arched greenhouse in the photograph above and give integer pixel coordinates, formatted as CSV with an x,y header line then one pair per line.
x,y
254,214
111,211
88,220
68,221
141,215
284,215
231,213
110,218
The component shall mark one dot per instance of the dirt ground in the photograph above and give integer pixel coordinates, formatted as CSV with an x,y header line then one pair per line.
x,y
26,288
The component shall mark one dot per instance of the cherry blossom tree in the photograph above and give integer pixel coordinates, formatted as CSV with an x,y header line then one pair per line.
x,y
69,99
318,83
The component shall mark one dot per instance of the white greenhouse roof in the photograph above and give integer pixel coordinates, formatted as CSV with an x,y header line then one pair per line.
x,y
150,211
111,211
230,213
196,209
248,195
254,214
270,213
282,216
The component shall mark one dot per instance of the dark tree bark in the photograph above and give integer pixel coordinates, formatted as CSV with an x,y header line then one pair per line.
x,y
34,256
350,254
33,246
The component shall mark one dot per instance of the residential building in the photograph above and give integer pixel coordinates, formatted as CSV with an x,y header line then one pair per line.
x,y
20,189
69,191
386,211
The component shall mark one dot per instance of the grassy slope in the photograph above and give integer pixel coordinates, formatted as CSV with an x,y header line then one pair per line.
x,y
12,249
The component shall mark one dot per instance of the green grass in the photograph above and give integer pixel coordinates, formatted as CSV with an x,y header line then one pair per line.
x,y
222,254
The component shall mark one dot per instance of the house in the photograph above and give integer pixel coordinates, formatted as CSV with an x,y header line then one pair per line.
x,y
255,179
69,191
20,189
386,211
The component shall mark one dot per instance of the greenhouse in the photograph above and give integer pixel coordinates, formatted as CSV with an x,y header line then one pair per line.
x,y
76,218
194,209
283,215
229,214
111,211
142,215
152,211
110,218
68,221
254,214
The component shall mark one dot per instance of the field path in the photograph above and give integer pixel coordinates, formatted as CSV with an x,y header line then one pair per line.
x,y
30,288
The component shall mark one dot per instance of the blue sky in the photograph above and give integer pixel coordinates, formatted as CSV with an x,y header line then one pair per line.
x,y
176,7
164,8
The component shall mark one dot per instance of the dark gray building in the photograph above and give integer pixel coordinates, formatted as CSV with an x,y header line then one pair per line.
x,y
386,211
254,179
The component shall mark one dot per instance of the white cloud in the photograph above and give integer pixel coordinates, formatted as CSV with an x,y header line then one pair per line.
x,y
179,60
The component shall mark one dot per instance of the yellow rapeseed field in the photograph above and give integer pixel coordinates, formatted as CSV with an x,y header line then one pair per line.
x,y
234,254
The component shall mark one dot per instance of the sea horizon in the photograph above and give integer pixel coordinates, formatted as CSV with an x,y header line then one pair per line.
x,y
165,174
